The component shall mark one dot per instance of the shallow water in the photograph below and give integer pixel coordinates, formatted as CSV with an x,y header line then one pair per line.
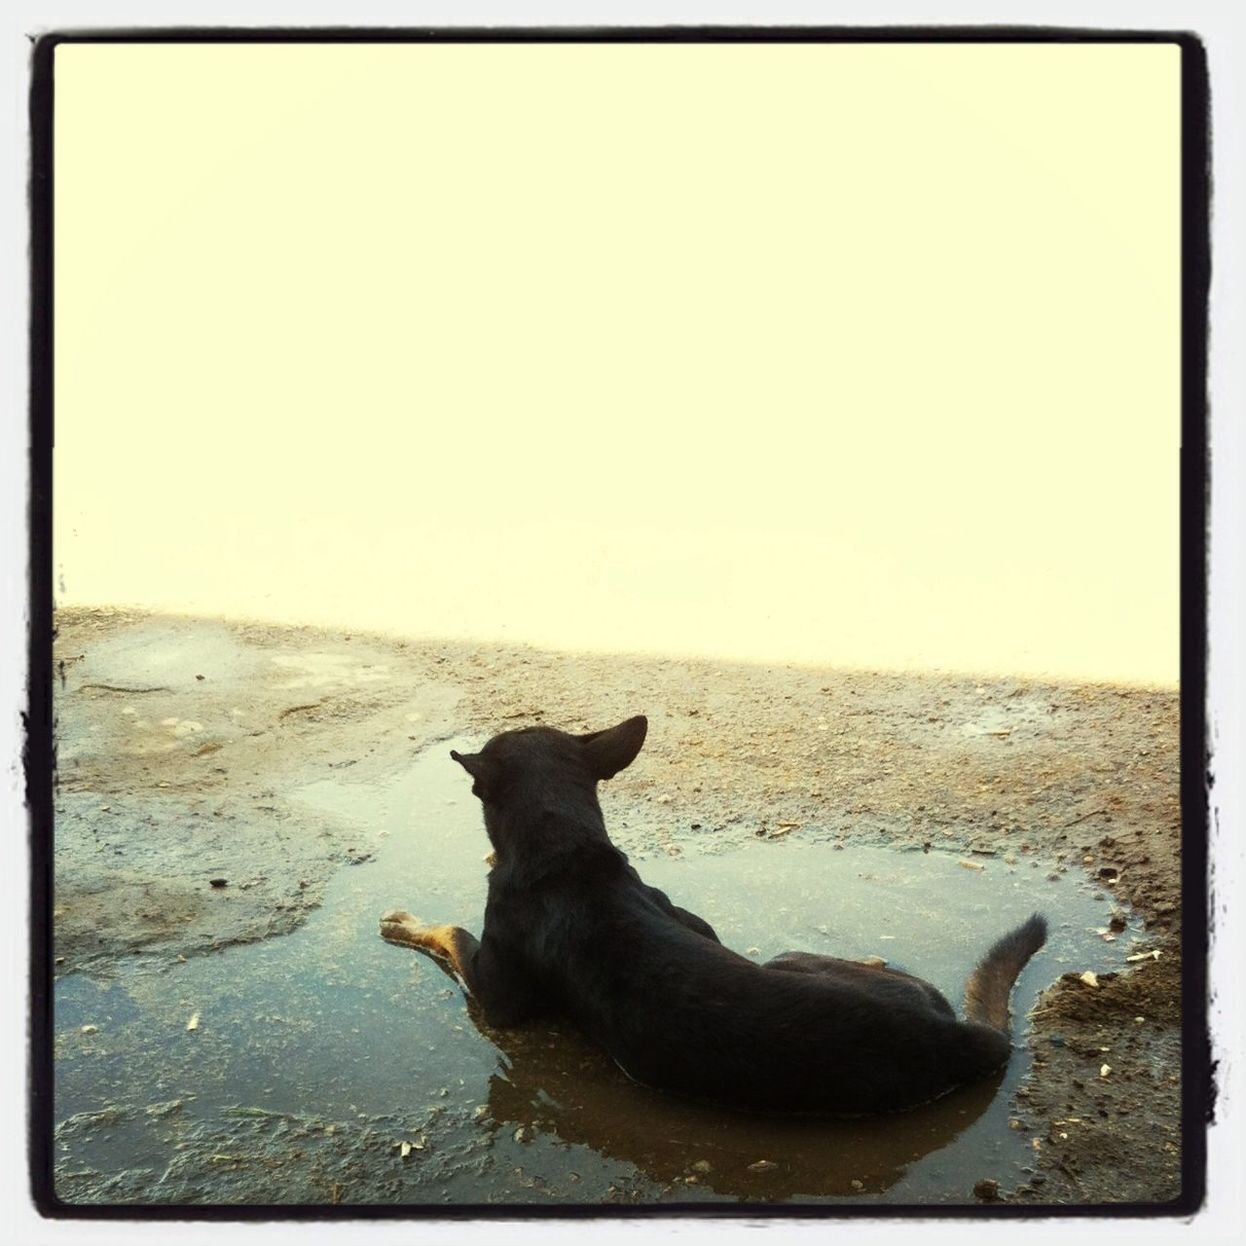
x,y
329,1065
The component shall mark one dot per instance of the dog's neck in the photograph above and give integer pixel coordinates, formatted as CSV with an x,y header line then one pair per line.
x,y
545,828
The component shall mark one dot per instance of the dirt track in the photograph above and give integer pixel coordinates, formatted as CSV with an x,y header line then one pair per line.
x,y
179,739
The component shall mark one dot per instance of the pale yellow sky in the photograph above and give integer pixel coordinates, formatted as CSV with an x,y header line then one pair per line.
x,y
855,354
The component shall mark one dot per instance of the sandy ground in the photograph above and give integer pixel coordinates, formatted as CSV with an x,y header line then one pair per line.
x,y
179,741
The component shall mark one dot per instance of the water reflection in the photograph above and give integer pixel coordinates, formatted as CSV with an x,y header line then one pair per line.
x,y
552,1081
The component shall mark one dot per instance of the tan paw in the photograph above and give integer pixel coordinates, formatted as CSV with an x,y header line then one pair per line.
x,y
398,915
399,926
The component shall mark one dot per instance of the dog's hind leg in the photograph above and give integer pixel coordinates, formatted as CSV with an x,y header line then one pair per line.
x,y
815,962
854,971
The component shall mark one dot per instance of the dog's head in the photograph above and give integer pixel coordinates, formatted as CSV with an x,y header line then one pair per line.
x,y
516,759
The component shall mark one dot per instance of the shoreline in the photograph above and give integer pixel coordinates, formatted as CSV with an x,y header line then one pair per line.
x,y
181,741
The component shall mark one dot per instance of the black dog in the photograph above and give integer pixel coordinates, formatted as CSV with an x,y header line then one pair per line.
x,y
570,928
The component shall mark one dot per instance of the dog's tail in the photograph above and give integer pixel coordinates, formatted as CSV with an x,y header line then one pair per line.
x,y
986,993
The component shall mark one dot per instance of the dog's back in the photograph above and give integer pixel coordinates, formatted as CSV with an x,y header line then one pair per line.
x,y
682,1013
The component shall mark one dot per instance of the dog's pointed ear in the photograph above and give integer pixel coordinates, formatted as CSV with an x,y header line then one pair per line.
x,y
608,752
477,765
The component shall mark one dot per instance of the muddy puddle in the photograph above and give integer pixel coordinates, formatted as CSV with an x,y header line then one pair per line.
x,y
327,1066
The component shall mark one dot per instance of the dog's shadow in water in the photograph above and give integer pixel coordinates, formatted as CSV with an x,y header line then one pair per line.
x,y
553,1081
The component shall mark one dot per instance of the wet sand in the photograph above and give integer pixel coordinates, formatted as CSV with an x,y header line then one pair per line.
x,y
182,746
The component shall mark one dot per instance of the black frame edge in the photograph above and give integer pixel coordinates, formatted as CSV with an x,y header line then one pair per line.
x,y
1198,1089
576,33
38,755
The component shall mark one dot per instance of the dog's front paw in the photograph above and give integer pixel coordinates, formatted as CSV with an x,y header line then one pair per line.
x,y
398,926
398,915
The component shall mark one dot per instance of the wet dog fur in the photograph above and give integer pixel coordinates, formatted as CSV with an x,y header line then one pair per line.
x,y
572,930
